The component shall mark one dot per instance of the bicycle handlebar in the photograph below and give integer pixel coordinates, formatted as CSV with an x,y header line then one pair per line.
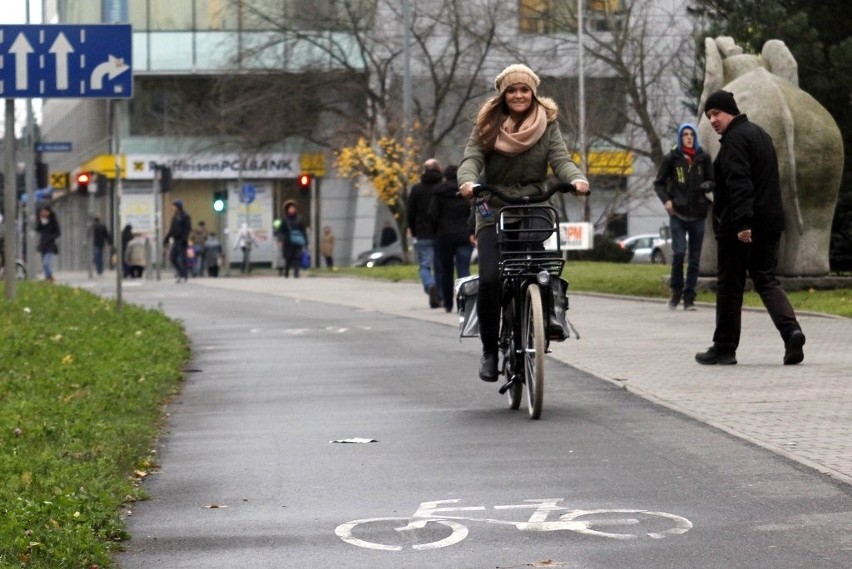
x,y
563,187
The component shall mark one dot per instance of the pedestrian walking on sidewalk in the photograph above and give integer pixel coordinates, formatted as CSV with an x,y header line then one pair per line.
x,y
100,239
748,219
48,234
449,213
178,234
417,213
515,140
685,174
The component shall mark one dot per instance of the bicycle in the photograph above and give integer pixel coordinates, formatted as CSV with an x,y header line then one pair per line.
x,y
597,522
20,269
526,268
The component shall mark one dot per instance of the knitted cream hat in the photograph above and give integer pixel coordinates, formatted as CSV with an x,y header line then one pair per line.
x,y
517,73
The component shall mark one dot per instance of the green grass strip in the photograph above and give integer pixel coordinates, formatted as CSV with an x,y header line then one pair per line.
x,y
82,389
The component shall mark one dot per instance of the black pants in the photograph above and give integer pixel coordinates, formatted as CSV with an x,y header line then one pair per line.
x,y
759,259
177,256
488,298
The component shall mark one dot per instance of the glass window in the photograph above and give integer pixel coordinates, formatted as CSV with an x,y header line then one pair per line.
x,y
170,15
138,12
605,15
217,15
80,11
547,16
170,51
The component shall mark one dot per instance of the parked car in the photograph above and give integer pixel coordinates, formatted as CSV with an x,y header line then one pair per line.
x,y
380,256
647,248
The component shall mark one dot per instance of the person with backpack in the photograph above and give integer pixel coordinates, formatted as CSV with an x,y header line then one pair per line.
x,y
293,237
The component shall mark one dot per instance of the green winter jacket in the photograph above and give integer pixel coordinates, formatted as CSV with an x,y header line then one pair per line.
x,y
524,174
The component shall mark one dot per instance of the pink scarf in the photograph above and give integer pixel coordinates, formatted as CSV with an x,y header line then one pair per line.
x,y
512,142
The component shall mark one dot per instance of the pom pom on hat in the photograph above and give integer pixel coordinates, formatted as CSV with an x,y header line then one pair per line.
x,y
722,101
517,73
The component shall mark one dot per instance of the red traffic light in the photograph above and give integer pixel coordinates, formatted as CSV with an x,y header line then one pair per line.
x,y
305,181
83,179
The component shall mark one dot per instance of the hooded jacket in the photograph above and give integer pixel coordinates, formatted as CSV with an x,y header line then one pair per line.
x,y
524,173
748,188
448,211
679,181
417,207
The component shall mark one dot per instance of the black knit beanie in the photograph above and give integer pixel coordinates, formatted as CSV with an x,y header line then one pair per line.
x,y
722,101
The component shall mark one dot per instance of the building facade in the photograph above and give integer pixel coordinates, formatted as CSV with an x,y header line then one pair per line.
x,y
182,51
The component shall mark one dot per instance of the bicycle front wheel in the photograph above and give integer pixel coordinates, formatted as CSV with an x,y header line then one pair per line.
x,y
534,341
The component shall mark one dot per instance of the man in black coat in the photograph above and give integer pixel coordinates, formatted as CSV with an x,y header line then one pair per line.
x,y
422,229
748,219
100,239
179,231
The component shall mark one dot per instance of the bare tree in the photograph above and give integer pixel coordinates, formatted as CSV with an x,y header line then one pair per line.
x,y
344,56
639,53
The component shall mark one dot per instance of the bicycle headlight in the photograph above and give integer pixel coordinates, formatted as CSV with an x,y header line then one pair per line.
x,y
543,278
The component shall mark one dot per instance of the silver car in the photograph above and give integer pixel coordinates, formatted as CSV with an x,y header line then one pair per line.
x,y
647,248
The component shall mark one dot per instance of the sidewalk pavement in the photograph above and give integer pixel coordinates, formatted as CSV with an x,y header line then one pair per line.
x,y
802,412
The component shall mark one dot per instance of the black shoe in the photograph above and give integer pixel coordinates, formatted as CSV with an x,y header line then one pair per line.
x,y
689,305
434,299
674,300
714,356
488,367
793,353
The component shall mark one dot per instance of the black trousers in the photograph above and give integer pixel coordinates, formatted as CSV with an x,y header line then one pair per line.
x,y
488,297
758,259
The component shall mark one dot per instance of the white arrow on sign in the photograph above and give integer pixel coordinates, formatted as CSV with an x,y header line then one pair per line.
x,y
21,48
113,67
61,48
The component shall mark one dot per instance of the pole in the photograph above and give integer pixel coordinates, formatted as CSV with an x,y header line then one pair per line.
x,y
314,240
581,111
9,198
158,251
115,143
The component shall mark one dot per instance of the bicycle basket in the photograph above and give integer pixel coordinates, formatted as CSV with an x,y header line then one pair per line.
x,y
528,240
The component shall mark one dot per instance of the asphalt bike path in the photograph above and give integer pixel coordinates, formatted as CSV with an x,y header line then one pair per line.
x,y
802,412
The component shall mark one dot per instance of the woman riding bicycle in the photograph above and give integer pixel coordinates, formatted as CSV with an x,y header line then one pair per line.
x,y
514,140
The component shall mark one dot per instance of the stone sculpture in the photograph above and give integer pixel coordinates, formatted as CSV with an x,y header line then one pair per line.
x,y
807,141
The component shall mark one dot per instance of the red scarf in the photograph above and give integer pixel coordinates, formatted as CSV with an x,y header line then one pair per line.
x,y
689,154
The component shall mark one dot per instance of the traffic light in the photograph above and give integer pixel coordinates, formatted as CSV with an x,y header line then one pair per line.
x,y
83,179
220,201
305,181
164,175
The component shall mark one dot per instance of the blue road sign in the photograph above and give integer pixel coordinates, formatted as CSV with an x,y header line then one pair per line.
x,y
50,61
248,194
53,147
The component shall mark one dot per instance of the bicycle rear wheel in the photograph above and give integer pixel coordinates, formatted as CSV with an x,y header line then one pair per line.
x,y
533,348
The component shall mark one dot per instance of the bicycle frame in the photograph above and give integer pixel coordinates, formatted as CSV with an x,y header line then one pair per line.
x,y
524,262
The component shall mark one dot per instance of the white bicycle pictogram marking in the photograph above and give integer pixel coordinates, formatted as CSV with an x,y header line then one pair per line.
x,y
600,523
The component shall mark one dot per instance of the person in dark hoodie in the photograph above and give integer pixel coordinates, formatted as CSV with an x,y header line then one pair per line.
x,y
748,218
684,178
417,212
450,213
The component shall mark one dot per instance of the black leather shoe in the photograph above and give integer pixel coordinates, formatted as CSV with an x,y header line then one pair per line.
x,y
793,353
713,356
488,367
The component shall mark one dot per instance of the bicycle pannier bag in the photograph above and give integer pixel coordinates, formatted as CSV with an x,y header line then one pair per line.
x,y
466,289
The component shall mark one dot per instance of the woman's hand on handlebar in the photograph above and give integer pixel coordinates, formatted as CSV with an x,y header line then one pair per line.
x,y
581,188
466,190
